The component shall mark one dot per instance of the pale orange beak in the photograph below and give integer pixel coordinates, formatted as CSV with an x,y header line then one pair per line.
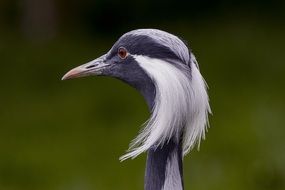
x,y
94,67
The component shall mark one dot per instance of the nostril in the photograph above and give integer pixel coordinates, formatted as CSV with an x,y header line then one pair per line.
x,y
91,66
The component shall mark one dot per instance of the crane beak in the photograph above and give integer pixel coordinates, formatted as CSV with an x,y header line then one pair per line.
x,y
94,67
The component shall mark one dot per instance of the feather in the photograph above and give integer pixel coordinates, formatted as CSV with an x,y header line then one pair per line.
x,y
181,106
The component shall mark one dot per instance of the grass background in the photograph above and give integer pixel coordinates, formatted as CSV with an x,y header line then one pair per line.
x,y
69,134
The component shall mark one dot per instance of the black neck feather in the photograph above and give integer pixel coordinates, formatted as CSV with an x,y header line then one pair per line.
x,y
157,160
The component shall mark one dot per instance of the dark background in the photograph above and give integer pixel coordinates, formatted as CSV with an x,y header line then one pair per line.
x,y
68,135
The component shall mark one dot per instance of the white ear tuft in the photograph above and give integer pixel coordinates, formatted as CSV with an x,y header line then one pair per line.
x,y
181,106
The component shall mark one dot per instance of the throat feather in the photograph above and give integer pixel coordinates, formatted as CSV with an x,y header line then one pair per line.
x,y
175,112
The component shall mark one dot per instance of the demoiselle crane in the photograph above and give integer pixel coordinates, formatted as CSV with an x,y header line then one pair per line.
x,y
161,67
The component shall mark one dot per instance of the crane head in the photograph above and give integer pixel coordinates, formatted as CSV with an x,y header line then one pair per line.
x,y
163,69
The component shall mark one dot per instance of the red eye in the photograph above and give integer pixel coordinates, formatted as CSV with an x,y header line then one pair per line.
x,y
122,53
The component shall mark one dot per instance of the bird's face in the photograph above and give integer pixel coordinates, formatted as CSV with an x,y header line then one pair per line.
x,y
162,68
120,62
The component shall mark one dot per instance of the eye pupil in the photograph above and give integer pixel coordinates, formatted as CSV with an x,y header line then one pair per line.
x,y
122,52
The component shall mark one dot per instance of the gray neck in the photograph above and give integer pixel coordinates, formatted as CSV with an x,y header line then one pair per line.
x,y
164,170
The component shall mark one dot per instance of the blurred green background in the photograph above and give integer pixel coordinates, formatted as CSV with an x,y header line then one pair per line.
x,y
68,135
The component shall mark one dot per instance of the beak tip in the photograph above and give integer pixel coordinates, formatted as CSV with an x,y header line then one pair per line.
x,y
64,77
73,73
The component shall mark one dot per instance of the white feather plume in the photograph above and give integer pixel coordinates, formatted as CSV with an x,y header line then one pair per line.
x,y
181,106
